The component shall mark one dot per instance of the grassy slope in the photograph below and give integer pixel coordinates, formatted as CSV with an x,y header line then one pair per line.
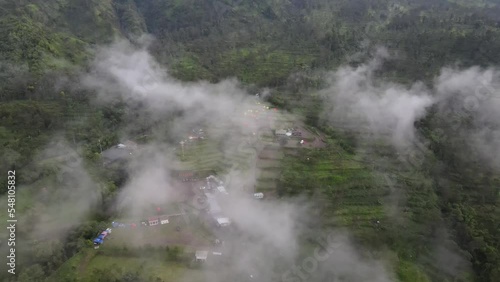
x,y
356,197
353,207
81,267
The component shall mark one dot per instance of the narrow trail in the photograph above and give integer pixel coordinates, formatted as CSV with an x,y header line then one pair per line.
x,y
85,262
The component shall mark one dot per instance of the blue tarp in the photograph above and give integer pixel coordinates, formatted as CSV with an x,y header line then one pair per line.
x,y
100,238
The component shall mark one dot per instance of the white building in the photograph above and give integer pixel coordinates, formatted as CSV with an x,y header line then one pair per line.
x,y
222,190
258,195
153,221
223,221
201,256
281,132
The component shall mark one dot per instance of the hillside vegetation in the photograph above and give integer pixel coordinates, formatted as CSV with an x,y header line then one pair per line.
x,y
450,200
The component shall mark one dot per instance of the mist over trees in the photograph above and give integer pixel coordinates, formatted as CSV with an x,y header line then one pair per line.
x,y
424,117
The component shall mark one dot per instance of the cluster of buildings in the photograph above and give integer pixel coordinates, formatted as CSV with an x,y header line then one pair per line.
x,y
292,132
201,256
196,134
151,221
187,176
213,190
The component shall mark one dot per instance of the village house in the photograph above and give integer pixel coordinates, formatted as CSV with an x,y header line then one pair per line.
x,y
163,219
223,221
153,221
201,256
258,195
280,132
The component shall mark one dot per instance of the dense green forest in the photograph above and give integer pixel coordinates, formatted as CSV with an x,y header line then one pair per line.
x,y
46,45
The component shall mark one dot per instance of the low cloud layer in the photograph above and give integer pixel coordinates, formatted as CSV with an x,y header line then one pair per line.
x,y
334,258
268,245
267,234
469,99
150,185
358,101
461,107
133,75
125,73
68,198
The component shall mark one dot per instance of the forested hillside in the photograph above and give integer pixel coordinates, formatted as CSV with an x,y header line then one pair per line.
x,y
288,48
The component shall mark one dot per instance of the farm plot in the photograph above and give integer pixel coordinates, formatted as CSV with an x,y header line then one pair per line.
x,y
176,232
271,153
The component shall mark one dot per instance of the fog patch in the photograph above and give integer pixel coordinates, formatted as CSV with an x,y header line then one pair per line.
x,y
357,101
68,198
469,100
266,235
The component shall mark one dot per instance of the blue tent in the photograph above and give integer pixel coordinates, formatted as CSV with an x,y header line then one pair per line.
x,y
100,239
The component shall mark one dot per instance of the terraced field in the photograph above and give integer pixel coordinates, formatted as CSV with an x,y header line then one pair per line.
x,y
394,209
353,196
268,169
86,265
200,155
213,155
176,232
